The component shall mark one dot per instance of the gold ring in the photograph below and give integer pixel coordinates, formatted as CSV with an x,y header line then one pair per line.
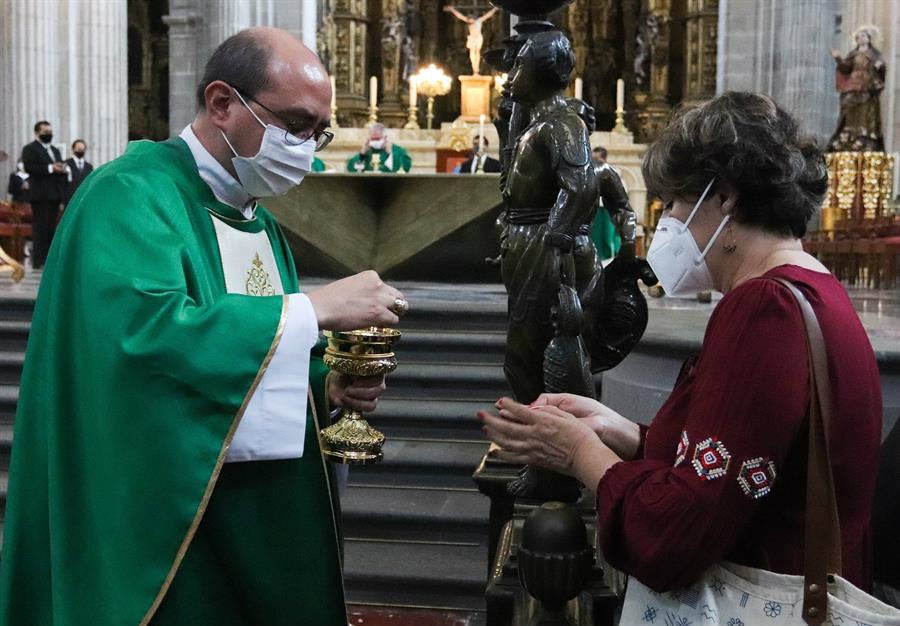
x,y
400,307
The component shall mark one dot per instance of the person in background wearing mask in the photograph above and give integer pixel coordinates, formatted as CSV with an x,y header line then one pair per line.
x,y
721,471
480,161
379,151
79,168
48,179
19,189
173,378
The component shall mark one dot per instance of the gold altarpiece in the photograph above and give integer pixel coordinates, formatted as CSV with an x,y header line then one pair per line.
x,y
665,50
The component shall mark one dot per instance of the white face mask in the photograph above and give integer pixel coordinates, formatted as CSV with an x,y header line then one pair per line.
x,y
278,167
675,257
376,144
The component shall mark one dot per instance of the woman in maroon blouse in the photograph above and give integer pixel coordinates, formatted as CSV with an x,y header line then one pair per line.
x,y
720,473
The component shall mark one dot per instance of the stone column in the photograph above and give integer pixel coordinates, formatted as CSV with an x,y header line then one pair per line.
x,y
184,70
99,63
197,27
701,30
781,49
64,62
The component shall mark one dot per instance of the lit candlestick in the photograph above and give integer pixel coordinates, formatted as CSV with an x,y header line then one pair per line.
x,y
412,91
481,133
373,92
579,88
620,95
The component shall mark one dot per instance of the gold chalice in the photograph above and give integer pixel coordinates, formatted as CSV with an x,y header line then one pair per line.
x,y
365,352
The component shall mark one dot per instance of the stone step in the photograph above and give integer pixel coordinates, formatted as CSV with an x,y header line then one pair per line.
x,y
14,334
424,574
422,463
6,440
11,367
415,514
13,308
9,396
476,347
440,381
431,315
410,418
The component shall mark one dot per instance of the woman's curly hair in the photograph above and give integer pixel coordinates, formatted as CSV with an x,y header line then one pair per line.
x,y
746,141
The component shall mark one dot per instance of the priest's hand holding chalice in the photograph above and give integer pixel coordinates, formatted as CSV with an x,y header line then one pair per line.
x,y
359,353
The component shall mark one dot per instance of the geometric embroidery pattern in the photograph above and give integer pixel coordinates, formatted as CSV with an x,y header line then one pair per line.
x,y
756,477
682,450
711,459
650,614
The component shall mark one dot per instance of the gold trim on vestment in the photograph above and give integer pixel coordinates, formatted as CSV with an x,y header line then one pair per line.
x,y
337,540
232,219
204,501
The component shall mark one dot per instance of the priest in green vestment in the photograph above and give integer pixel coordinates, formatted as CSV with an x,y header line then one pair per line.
x,y
378,154
166,467
603,231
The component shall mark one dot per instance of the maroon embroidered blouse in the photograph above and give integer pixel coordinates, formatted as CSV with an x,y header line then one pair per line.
x,y
723,470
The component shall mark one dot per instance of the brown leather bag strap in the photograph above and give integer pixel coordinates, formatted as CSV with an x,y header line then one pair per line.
x,y
823,532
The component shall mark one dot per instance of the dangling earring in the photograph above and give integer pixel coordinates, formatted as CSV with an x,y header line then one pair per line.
x,y
729,248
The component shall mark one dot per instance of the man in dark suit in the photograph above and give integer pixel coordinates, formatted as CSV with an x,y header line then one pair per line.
x,y
79,168
48,178
480,161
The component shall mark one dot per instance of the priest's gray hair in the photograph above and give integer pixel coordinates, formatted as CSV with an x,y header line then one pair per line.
x,y
242,61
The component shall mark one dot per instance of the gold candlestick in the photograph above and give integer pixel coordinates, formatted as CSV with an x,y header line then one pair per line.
x,y
365,352
373,114
620,122
430,116
430,82
413,122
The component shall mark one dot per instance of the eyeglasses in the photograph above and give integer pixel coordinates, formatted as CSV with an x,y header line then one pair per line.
x,y
294,136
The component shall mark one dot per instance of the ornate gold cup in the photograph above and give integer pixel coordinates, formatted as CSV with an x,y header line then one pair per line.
x,y
365,352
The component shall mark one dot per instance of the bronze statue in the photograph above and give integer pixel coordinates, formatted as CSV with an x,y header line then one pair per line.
x,y
551,189
859,78
568,317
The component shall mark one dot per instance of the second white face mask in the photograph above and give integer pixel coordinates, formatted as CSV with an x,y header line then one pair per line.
x,y
277,167
675,257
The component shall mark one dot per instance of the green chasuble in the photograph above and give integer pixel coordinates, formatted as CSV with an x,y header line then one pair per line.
x,y
121,510
398,159
318,165
603,234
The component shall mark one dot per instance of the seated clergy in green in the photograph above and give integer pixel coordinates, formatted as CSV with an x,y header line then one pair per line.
x,y
378,153
167,468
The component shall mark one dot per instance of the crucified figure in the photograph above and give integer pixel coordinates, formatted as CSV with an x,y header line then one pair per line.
x,y
475,39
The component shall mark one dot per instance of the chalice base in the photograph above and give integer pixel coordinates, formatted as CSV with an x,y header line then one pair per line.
x,y
352,441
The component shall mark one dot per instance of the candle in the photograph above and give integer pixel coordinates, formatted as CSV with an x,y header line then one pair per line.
x,y
373,92
333,93
412,91
579,88
481,133
620,95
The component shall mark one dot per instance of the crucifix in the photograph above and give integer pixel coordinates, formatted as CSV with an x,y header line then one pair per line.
x,y
475,39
